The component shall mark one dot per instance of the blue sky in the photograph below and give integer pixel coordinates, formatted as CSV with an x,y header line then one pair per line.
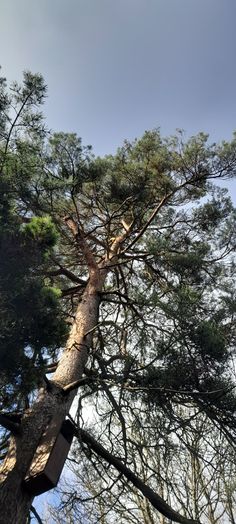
x,y
117,67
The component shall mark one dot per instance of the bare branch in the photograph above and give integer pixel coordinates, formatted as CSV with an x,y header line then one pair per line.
x,y
156,501
36,515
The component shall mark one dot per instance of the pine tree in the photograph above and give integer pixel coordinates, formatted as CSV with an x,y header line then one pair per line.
x,y
135,253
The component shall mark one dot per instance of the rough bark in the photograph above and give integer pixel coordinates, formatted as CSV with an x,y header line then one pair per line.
x,y
15,501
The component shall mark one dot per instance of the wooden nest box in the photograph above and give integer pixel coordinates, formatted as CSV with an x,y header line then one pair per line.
x,y
50,456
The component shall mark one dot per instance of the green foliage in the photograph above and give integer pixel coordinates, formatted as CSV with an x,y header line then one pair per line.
x,y
139,171
41,230
170,294
163,344
31,319
210,340
32,324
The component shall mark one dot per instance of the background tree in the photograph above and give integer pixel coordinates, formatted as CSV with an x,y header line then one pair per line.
x,y
193,468
140,245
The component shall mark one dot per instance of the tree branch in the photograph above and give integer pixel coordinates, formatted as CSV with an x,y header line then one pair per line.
x,y
82,243
156,210
50,368
6,420
67,273
156,501
75,385
191,181
48,383
36,515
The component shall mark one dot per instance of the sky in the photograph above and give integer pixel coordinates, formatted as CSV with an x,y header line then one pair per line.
x,y
115,68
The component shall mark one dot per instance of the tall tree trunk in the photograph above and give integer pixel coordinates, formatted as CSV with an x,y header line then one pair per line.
x,y
15,501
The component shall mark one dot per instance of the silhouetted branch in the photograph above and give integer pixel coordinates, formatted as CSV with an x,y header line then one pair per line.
x,y
8,423
36,515
156,501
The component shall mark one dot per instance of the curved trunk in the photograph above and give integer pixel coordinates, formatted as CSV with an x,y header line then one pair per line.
x,y
15,500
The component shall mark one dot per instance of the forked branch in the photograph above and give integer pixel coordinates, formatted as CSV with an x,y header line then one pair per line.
x,y
156,501
82,243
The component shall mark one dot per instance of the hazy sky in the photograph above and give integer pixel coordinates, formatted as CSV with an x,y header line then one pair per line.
x,y
117,67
